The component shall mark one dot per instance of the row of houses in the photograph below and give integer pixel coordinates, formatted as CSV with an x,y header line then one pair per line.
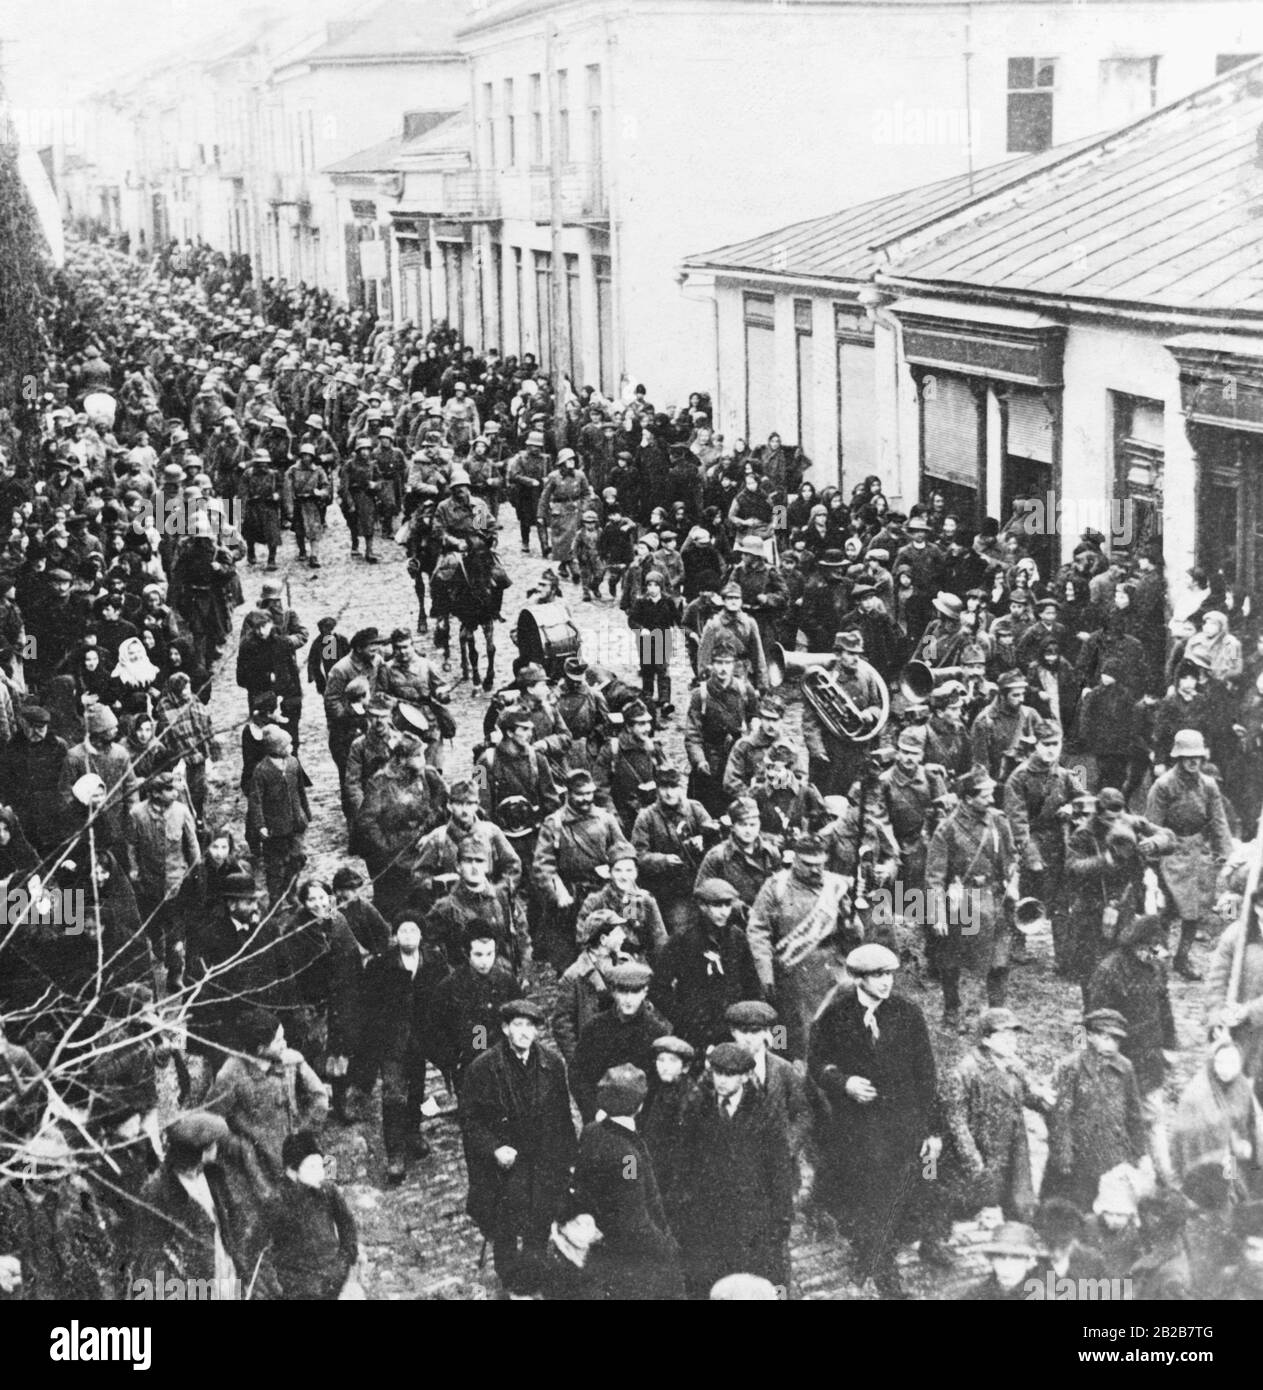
x,y
1082,327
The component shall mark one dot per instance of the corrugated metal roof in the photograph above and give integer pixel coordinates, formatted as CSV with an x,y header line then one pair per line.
x,y
839,245
1167,211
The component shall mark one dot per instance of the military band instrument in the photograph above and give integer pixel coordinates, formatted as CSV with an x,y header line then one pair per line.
x,y
918,679
546,635
826,696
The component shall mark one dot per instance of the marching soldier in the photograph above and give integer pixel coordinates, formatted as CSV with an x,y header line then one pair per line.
x,y
969,867
719,710
788,803
669,836
946,738
748,857
915,795
475,902
524,477
573,842
836,761
794,915
437,854
622,895
361,482
997,732
636,763
749,751
763,591
742,631
1034,798
306,495
1188,802
260,491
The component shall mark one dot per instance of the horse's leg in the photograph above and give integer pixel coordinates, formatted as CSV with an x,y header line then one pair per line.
x,y
488,633
469,653
443,640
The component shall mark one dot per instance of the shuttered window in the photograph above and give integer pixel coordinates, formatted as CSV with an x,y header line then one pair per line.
x,y
760,367
1030,427
951,423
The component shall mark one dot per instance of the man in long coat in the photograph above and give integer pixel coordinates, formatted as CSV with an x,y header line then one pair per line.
x,y
519,1137
870,1056
565,493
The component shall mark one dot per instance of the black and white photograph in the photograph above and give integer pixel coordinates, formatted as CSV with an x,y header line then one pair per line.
x,y
631,663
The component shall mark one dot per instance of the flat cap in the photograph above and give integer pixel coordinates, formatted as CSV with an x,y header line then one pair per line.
x,y
197,1129
731,1059
622,1090
521,1008
1106,1021
751,1014
716,890
630,975
870,958
676,1046
667,777
731,590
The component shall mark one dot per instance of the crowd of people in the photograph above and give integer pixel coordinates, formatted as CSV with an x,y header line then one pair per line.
x,y
660,988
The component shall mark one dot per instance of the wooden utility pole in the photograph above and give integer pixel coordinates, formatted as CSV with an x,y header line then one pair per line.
x,y
557,335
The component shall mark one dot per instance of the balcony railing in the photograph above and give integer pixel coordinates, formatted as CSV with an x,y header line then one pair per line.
x,y
582,195
472,194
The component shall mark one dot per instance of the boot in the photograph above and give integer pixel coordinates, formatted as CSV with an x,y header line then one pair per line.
x,y
1182,965
665,708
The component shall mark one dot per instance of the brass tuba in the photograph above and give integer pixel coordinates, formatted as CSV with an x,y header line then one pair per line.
x,y
824,694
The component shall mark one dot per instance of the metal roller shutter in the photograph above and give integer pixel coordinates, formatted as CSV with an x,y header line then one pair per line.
x,y
951,424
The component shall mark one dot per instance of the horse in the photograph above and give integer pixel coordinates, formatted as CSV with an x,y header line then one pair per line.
x,y
469,585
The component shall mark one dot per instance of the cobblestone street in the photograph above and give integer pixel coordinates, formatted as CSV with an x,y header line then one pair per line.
x,y
416,1240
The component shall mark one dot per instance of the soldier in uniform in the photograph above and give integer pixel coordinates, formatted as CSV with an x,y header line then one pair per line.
x,y
306,494
749,751
586,716
636,762
437,853
1106,857
573,842
969,867
1188,802
260,491
646,932
460,516
914,796
997,732
360,483
742,631
795,915
669,837
946,738
763,592
1034,798
747,858
402,802
475,900
787,802
837,761
565,492
719,710
524,477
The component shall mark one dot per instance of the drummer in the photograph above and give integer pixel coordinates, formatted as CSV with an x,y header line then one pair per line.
x,y
1188,802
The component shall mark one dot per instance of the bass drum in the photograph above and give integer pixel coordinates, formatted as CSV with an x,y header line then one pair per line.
x,y
546,634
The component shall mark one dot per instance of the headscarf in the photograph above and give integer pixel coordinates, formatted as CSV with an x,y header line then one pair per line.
x,y
1219,649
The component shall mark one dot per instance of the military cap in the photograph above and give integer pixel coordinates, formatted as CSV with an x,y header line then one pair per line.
x,y
771,707
1189,743
870,959
806,843
622,1090
381,703
579,778
730,1059
36,714
716,891
1048,731
630,976
513,718
973,781
731,590
1010,679
620,851
365,637
676,1046
1111,799
1106,1021
999,1021
943,695
912,739
575,668
849,641
667,777
751,1015
743,808
521,1008
362,441
725,649
197,1129
535,439
1020,596
531,674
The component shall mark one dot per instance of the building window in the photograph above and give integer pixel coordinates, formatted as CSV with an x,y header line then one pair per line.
x,y
510,124
952,441
544,305
805,370
563,115
760,334
519,299
1139,454
1129,89
537,118
489,123
1030,104
602,268
1225,62
497,288
857,434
